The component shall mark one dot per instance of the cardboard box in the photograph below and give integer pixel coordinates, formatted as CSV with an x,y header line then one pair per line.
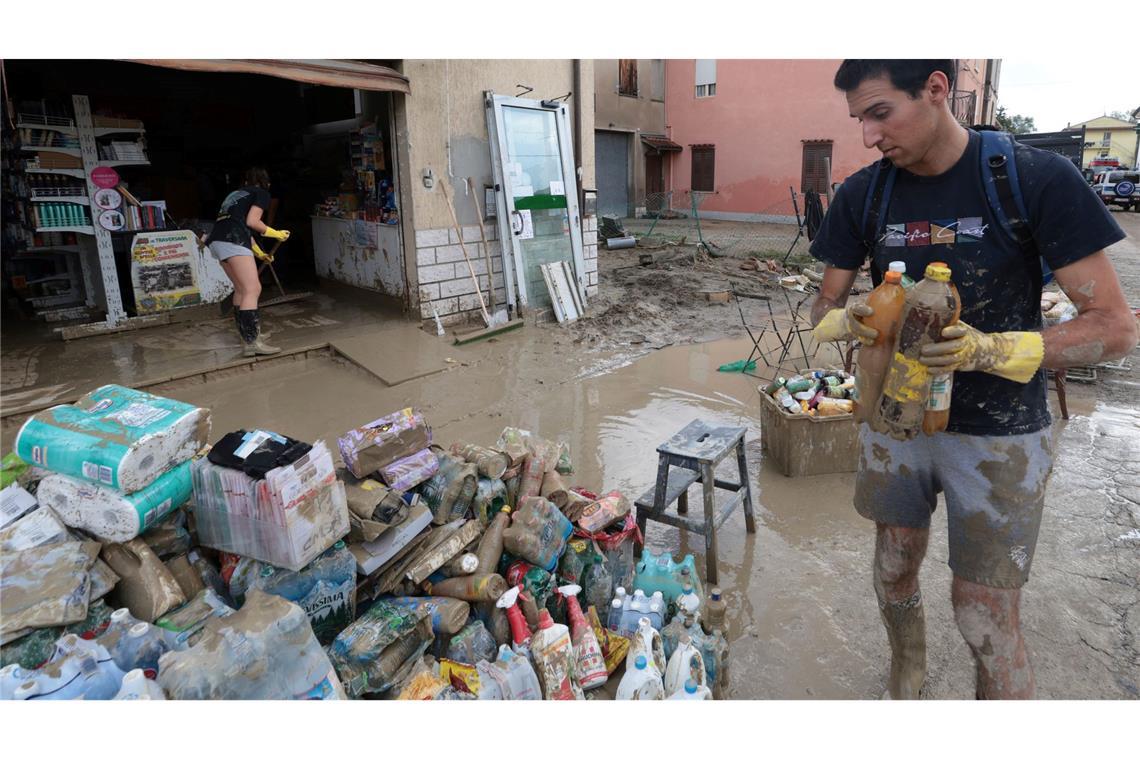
x,y
803,445
373,554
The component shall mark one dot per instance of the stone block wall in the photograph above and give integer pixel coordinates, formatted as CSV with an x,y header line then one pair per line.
x,y
445,282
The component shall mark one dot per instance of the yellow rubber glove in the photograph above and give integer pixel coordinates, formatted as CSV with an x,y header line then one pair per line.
x,y
844,324
1013,355
260,254
275,234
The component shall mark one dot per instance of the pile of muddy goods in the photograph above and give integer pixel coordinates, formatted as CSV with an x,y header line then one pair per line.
x,y
141,561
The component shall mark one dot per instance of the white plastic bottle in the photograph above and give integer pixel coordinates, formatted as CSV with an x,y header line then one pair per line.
x,y
521,677
686,664
647,641
70,644
692,691
95,683
141,648
137,686
688,601
10,679
121,622
640,682
554,659
27,690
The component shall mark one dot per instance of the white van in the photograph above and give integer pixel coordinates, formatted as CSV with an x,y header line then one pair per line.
x,y
1118,187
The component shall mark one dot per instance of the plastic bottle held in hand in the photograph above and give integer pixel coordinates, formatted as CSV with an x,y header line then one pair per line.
x,y
554,660
930,305
590,667
641,681
137,686
900,267
887,303
937,415
685,664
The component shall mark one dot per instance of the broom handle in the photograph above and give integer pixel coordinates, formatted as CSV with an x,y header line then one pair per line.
x,y
486,250
471,269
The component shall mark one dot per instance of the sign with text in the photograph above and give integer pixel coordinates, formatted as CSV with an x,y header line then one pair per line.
x,y
164,271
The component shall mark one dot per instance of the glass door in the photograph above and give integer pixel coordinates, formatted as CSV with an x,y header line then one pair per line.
x,y
537,194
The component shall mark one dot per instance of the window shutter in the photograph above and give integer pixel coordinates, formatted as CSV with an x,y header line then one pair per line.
x,y
813,175
704,163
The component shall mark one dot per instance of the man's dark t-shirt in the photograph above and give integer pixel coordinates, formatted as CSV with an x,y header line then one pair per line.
x,y
947,218
230,227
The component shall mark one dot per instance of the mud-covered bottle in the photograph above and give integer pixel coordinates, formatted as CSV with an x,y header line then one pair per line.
x,y
937,415
930,305
886,302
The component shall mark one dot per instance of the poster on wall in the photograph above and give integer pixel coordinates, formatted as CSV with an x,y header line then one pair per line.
x,y
164,271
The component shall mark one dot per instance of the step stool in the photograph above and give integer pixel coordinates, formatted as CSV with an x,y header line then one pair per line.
x,y
696,451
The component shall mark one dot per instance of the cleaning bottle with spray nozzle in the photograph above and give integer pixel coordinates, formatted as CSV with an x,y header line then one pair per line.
x,y
519,632
591,664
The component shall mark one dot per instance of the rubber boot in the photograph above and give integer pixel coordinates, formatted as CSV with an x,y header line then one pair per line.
x,y
905,622
249,327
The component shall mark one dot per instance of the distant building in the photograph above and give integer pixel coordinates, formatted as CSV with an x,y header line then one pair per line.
x,y
1109,137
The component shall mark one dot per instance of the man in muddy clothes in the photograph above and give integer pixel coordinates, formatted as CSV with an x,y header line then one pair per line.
x,y
996,455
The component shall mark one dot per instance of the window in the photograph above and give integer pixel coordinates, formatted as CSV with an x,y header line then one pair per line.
x,y
814,173
1104,154
705,77
627,77
657,79
1106,140
704,161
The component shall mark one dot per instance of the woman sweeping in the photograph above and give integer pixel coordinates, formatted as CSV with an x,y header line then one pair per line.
x,y
231,241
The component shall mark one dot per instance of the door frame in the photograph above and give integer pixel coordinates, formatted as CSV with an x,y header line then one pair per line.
x,y
514,268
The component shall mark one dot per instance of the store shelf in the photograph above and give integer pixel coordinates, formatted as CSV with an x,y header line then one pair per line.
x,y
50,249
50,278
63,299
65,172
51,148
69,130
80,199
88,230
106,131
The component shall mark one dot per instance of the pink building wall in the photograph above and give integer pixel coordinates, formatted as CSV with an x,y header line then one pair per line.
x,y
761,112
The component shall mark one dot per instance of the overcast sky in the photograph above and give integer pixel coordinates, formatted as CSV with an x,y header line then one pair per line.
x,y
1064,91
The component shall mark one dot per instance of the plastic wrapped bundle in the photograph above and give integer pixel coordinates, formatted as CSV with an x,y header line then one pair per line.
x,y
407,473
538,533
286,519
112,515
114,436
381,647
371,447
451,490
266,650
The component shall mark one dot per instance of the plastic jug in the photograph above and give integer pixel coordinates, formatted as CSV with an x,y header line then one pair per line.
x,y
513,676
647,641
141,648
538,533
97,683
121,621
658,572
10,679
688,601
685,664
641,681
671,634
590,667
553,655
137,686
325,589
692,691
71,644
886,302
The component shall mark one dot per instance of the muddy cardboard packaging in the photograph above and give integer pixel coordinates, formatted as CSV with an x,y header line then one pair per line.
x,y
186,623
381,647
803,445
372,555
43,527
45,586
114,436
368,448
111,515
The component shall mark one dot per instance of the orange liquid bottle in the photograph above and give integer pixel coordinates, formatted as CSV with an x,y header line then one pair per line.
x,y
937,415
886,301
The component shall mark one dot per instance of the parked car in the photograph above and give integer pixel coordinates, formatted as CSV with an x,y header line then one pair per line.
x,y
1118,188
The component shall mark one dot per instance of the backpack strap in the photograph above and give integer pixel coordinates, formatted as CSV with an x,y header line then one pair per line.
x,y
875,209
1003,191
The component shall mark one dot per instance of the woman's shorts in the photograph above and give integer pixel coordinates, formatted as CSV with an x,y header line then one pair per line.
x,y
223,250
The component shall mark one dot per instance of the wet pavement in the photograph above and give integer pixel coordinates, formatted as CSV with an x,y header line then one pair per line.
x,y
802,613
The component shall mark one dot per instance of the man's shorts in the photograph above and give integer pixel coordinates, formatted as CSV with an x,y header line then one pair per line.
x,y
223,250
995,493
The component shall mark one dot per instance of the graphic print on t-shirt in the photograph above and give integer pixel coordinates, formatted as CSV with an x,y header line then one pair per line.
x,y
966,230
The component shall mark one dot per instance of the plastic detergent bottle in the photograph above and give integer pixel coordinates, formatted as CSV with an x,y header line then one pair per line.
x,y
930,305
886,302
521,680
137,686
685,664
590,666
141,648
27,690
937,415
121,622
692,691
715,612
641,681
671,633
520,633
647,641
71,645
554,659
96,683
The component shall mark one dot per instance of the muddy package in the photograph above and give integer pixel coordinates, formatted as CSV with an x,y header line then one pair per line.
x,y
372,507
381,647
45,586
451,490
146,587
187,623
447,614
114,436
490,463
36,648
370,447
43,527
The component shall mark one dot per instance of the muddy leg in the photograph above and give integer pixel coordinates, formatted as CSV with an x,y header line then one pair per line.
x,y
990,621
898,557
